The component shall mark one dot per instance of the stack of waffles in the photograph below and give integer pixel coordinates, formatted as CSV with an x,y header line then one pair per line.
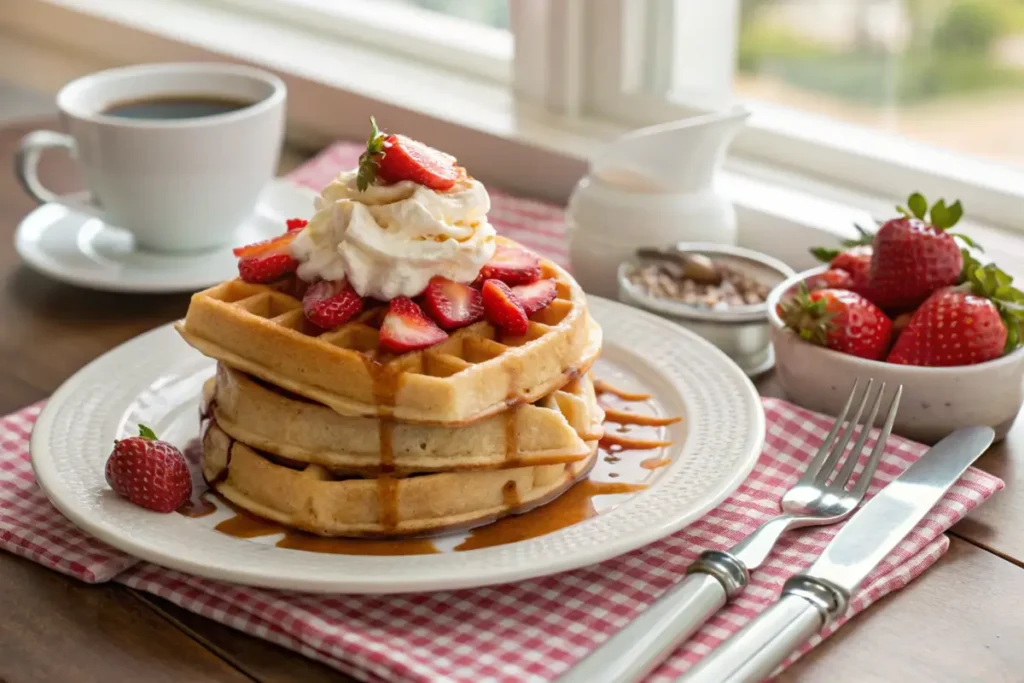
x,y
329,432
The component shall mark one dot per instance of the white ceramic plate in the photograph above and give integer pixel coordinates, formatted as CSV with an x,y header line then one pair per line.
x,y
84,251
155,379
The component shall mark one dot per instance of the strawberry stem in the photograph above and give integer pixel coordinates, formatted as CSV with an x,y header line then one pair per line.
x,y
147,433
369,161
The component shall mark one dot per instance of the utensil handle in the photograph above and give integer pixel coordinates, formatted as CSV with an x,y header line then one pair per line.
x,y
636,650
752,654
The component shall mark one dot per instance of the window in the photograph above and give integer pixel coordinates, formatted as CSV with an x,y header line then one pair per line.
x,y
466,36
881,96
943,72
884,96
493,13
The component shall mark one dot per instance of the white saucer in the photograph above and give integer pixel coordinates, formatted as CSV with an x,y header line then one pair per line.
x,y
84,251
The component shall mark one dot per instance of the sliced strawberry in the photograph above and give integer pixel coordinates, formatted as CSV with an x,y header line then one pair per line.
x,y
296,223
536,295
452,304
512,265
268,260
408,159
406,328
330,303
391,158
503,309
150,473
272,246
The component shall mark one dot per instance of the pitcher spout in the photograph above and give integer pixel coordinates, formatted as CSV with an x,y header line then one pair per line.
x,y
679,156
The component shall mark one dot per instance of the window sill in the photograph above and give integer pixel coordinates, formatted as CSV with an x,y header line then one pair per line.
x,y
334,87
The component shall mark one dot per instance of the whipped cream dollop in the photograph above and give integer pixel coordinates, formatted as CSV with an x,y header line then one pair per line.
x,y
390,240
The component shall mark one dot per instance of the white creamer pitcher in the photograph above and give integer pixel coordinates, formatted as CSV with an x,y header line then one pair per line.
x,y
653,186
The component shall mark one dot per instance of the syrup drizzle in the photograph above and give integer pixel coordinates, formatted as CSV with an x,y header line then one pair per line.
x,y
602,387
616,443
510,494
573,506
244,524
197,507
621,417
511,435
655,463
385,380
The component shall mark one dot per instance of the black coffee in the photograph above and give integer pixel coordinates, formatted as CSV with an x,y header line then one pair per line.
x,y
175,107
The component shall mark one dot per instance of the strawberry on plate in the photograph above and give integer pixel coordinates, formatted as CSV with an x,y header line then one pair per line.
x,y
452,304
840,320
148,472
407,328
512,265
536,295
914,255
268,260
503,309
330,303
976,321
391,158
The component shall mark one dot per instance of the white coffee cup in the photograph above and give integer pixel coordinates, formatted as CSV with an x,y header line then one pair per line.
x,y
177,184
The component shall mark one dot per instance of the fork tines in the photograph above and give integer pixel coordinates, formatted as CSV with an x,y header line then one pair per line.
x,y
820,471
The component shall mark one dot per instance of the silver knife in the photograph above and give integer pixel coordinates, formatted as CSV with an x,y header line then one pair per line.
x,y
813,599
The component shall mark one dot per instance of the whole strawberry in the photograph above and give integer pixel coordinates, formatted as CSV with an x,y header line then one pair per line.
x,y
971,323
840,320
855,259
150,473
914,255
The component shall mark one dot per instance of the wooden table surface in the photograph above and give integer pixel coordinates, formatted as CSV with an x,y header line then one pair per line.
x,y
961,621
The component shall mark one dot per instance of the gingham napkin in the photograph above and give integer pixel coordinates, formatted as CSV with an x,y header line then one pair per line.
x,y
528,631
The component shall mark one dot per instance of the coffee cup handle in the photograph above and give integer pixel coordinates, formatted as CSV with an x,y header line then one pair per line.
x,y
26,167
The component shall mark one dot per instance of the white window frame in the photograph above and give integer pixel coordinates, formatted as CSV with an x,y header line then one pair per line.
x,y
610,53
568,99
447,42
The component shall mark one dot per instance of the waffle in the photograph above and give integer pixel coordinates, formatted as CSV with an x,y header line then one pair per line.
x,y
312,499
552,430
476,372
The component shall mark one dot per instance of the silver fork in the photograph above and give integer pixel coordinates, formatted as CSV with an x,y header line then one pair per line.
x,y
822,496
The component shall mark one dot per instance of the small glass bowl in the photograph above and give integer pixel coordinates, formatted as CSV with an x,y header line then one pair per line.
x,y
742,332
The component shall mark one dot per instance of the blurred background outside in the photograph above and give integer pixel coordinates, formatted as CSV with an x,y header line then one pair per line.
x,y
943,72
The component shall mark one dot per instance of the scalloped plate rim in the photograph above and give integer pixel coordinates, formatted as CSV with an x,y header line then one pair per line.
x,y
107,530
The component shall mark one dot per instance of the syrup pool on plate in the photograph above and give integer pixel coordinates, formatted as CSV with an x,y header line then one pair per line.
x,y
636,446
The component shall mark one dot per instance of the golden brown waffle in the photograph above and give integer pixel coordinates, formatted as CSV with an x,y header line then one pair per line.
x,y
311,498
476,372
552,430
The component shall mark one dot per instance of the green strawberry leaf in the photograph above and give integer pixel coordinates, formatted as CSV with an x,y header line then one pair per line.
x,y
944,217
903,212
369,161
956,212
147,433
824,254
971,265
968,241
939,214
918,205
864,236
1012,336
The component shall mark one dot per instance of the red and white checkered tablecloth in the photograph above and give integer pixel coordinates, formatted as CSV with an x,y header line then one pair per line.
x,y
528,631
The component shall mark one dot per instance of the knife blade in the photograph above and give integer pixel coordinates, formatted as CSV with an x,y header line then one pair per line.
x,y
812,599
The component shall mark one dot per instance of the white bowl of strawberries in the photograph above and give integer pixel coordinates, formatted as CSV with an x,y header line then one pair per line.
x,y
909,308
